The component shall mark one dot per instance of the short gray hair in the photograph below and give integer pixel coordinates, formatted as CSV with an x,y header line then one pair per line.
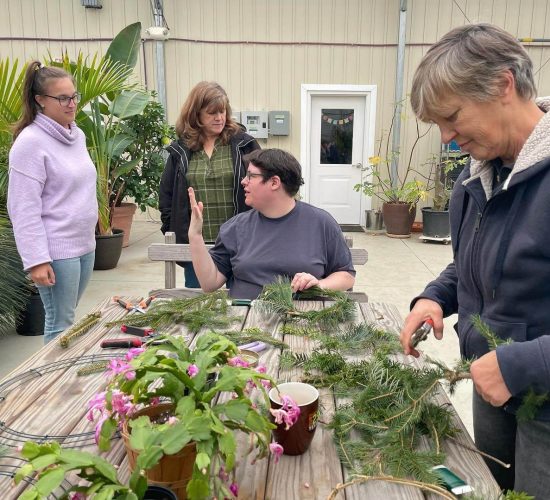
x,y
469,61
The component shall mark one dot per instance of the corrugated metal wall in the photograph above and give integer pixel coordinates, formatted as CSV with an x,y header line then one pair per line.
x,y
261,51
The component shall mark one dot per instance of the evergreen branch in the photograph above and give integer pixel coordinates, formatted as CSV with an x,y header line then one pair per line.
x,y
205,310
78,329
253,334
492,339
277,298
530,404
431,488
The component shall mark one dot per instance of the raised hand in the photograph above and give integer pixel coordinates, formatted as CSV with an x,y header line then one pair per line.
x,y
195,226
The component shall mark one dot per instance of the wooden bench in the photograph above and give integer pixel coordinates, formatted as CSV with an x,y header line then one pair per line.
x,y
171,252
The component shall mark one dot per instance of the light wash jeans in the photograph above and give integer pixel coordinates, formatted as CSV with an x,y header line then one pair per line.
x,y
60,300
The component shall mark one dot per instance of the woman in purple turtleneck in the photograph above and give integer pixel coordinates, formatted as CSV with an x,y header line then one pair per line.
x,y
52,194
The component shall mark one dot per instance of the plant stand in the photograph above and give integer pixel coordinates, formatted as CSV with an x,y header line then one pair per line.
x,y
445,240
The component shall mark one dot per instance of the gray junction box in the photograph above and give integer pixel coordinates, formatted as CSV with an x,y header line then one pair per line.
x,y
279,122
255,123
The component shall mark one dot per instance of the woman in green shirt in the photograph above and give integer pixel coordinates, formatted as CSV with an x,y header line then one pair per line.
x,y
207,156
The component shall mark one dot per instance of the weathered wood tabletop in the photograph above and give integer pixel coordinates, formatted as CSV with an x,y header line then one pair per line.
x,y
45,398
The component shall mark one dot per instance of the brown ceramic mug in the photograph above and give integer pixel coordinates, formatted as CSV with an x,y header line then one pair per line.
x,y
296,439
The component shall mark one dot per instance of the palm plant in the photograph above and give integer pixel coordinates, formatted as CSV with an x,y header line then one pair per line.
x,y
108,97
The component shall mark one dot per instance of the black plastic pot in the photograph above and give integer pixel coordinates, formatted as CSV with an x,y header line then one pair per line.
x,y
435,223
31,319
108,250
159,493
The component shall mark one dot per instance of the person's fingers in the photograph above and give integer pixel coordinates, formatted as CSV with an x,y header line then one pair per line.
x,y
192,199
302,281
51,276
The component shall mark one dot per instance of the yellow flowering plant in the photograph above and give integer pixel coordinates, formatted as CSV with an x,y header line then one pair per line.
x,y
378,180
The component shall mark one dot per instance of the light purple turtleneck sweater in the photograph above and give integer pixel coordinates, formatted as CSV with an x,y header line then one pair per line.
x,y
51,193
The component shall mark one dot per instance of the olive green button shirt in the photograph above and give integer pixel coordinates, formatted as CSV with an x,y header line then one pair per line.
x,y
212,180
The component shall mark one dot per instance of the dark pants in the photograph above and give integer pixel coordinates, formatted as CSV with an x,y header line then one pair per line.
x,y
191,280
524,445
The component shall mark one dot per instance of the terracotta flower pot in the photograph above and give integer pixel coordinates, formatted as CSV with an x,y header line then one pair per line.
x,y
173,471
123,217
398,218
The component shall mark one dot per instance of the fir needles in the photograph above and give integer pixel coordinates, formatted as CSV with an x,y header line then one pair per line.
x,y
205,310
278,298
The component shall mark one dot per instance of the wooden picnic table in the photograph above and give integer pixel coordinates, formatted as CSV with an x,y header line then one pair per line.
x,y
44,398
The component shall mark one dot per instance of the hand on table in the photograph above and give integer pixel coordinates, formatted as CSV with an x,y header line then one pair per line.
x,y
303,281
195,225
488,380
422,310
43,274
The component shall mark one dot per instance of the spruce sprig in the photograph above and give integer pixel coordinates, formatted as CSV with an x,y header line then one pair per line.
x,y
277,298
79,329
483,328
253,334
205,310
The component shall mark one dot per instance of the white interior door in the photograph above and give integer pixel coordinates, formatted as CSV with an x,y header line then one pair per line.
x,y
336,155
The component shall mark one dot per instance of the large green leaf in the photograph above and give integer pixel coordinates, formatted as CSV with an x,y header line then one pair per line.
x,y
125,46
11,81
129,103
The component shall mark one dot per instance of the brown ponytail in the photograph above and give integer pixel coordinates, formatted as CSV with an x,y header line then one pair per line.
x,y
35,83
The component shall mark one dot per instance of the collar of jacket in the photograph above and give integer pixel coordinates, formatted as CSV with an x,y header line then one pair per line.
x,y
535,149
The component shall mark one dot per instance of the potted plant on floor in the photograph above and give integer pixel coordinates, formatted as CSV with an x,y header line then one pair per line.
x,y
150,133
166,398
400,195
435,219
19,299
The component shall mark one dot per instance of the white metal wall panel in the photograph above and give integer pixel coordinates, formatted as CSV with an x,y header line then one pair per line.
x,y
302,41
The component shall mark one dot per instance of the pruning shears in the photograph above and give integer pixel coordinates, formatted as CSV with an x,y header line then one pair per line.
x,y
140,307
422,333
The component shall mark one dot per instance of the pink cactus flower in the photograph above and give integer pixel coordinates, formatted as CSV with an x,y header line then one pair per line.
x,y
133,352
234,488
236,361
277,451
192,370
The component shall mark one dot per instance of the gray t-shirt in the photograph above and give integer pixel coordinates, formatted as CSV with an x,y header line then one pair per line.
x,y
252,250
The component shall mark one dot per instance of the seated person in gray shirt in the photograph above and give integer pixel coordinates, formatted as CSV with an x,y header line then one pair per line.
x,y
279,237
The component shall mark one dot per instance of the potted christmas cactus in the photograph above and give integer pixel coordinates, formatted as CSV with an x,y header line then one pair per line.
x,y
178,410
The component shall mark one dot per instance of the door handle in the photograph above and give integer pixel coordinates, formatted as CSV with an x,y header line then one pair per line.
x,y
357,165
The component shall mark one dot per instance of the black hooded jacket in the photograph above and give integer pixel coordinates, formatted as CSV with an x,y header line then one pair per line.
x,y
175,210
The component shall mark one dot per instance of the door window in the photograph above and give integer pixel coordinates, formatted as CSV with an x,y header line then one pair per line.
x,y
336,136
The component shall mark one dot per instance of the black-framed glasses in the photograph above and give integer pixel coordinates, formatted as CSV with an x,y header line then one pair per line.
x,y
65,100
250,175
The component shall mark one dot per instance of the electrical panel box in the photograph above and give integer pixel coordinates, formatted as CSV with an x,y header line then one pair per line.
x,y
279,122
255,123
236,115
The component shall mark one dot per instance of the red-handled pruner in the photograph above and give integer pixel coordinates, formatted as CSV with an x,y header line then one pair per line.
x,y
422,333
137,330
121,343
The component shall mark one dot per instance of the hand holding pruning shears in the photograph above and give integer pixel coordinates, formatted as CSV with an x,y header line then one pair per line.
x,y
425,316
140,307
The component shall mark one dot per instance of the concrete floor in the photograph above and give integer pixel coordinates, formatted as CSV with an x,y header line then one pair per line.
x,y
397,270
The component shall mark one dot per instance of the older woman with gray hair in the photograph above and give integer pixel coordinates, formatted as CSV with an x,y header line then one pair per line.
x,y
476,84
